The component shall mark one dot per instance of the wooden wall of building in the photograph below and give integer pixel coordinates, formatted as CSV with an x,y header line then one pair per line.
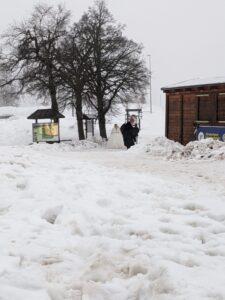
x,y
189,114
183,109
174,117
221,107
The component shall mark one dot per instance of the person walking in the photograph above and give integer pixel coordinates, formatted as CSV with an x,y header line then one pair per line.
x,y
130,132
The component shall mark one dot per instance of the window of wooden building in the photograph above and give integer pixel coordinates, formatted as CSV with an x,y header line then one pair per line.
x,y
221,107
204,108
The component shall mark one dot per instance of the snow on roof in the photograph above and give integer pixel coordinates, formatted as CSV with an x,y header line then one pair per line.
x,y
196,82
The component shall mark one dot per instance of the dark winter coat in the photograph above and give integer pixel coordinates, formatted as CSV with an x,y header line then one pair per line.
x,y
129,133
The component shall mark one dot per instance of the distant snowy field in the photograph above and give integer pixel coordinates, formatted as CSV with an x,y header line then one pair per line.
x,y
82,222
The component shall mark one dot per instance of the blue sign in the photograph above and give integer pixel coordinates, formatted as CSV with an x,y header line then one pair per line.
x,y
214,132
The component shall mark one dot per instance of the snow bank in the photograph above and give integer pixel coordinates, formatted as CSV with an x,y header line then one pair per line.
x,y
81,222
204,149
75,229
163,147
69,146
87,144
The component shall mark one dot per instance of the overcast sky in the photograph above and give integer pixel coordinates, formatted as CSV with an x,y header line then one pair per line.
x,y
186,38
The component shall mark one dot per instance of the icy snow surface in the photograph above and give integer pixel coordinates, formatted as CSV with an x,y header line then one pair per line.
x,y
80,221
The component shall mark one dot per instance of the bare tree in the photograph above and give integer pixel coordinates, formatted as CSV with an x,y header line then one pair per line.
x,y
115,67
73,57
30,51
8,93
93,61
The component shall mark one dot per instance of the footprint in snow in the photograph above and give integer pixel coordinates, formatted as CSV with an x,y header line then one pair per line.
x,y
147,191
167,230
52,213
103,202
193,207
197,224
215,296
164,220
4,210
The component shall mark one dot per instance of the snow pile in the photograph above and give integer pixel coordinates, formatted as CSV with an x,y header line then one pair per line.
x,y
69,146
163,147
56,147
86,144
205,149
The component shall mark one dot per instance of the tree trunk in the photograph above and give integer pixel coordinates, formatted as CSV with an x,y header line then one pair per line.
x,y
79,115
54,103
101,120
52,92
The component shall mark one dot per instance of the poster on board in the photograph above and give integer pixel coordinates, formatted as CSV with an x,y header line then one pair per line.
x,y
46,132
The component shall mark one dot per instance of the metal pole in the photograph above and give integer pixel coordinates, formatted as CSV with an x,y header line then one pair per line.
x,y
150,83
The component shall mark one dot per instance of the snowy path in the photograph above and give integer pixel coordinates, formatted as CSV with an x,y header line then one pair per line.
x,y
110,225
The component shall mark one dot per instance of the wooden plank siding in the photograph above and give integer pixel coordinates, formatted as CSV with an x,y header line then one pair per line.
x,y
174,118
189,107
167,116
204,108
221,107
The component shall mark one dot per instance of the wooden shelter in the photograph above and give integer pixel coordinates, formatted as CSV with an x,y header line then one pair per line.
x,y
48,131
46,114
191,104
89,124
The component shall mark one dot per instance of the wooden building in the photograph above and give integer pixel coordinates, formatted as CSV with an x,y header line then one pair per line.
x,y
192,103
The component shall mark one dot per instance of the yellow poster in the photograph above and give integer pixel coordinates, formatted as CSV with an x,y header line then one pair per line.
x,y
46,132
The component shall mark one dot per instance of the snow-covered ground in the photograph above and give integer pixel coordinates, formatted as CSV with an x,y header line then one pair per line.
x,y
79,221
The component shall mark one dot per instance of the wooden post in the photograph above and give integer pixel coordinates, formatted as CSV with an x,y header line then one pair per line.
x,y
167,115
181,119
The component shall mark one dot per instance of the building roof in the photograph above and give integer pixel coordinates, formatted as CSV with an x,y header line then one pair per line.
x,y
46,114
89,117
196,82
133,109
